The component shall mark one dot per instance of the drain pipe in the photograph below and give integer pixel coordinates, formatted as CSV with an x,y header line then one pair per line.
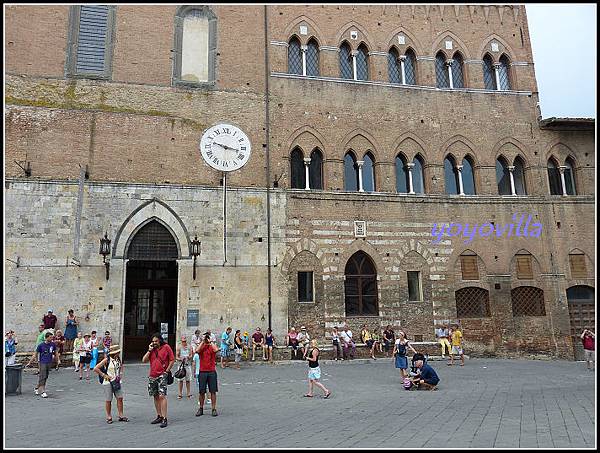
x,y
268,173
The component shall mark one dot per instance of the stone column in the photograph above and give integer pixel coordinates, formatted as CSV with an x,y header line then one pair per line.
x,y
410,166
449,64
303,49
306,173
360,163
353,53
497,75
460,182
402,70
562,169
511,168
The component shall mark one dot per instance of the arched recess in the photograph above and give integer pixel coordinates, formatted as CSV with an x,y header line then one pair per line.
x,y
410,145
307,138
458,145
581,300
504,48
154,209
410,42
344,35
536,267
359,140
298,247
294,27
364,246
438,44
561,151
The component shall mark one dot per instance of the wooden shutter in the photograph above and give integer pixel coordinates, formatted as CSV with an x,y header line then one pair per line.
x,y
92,40
578,269
524,268
468,264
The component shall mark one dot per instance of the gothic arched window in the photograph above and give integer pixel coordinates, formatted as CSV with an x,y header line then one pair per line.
x,y
519,176
297,169
468,176
360,286
441,71
503,176
315,170
346,69
418,176
457,71
294,57
368,173
394,68
362,63
503,73
350,173
402,185
312,58
410,65
489,75
554,177
450,175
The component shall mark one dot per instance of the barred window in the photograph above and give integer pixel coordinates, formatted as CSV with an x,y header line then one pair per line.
x,y
350,172
402,185
503,176
457,71
294,57
297,169
524,267
527,301
451,175
569,177
362,63
410,65
312,58
91,35
519,176
554,177
468,176
577,265
346,69
441,71
417,175
503,73
489,77
368,173
153,242
315,170
472,302
394,66
469,268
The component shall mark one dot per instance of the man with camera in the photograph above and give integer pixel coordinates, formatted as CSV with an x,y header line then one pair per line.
x,y
589,347
161,359
208,374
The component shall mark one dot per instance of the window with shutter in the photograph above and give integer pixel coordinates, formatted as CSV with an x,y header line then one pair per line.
x,y
468,264
578,269
524,267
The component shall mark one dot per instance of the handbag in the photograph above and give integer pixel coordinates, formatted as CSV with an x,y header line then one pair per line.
x,y
180,373
116,384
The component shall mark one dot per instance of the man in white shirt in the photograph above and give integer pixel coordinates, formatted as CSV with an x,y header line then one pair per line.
x,y
346,337
304,341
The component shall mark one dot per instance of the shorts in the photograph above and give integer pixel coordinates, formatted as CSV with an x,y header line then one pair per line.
x,y
314,373
369,343
188,374
401,362
85,359
386,345
590,356
157,386
44,372
207,378
108,393
456,350
238,355
225,351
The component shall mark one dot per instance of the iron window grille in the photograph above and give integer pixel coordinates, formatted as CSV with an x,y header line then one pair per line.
x,y
503,73
394,66
312,58
472,302
410,67
294,57
441,71
457,71
527,301
305,287
153,242
362,63
346,70
489,77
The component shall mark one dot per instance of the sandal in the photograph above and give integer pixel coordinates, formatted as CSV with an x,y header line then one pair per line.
x,y
179,397
123,419
109,421
189,396
327,394
308,396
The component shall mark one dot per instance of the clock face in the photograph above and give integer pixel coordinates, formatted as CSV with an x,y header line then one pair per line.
x,y
225,147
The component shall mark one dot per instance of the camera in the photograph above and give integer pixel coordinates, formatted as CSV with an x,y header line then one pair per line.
x,y
206,337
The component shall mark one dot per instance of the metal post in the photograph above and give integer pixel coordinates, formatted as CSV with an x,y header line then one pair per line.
x,y
224,219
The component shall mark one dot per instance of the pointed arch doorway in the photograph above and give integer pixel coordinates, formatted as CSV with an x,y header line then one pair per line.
x,y
150,288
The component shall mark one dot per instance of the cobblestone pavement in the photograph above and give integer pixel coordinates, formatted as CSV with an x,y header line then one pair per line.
x,y
486,403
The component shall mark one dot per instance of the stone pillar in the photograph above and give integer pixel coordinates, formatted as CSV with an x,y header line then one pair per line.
x,y
353,53
460,182
497,75
511,168
360,178
410,166
303,49
563,183
449,65
306,173
402,70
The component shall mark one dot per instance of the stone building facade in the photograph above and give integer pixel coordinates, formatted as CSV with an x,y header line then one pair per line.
x,y
381,98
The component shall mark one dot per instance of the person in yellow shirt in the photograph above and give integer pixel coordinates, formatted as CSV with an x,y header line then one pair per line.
x,y
368,339
456,346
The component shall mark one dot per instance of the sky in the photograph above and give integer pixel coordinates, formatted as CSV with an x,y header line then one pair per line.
x,y
563,38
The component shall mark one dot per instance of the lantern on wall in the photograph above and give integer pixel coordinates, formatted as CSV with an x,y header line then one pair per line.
x,y
195,251
105,251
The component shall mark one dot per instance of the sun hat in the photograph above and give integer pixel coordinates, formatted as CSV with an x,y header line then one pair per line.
x,y
86,335
114,349
50,310
302,328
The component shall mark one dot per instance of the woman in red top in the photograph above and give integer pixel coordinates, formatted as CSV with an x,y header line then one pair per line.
x,y
208,374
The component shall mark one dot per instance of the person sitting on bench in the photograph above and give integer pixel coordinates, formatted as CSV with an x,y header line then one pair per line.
x,y
427,378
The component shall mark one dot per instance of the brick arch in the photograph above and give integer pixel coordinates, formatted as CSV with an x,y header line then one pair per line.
x,y
587,255
360,245
561,151
307,138
454,263
510,156
415,138
365,37
445,148
507,48
313,30
413,43
358,132
418,247
437,44
154,209
298,247
537,265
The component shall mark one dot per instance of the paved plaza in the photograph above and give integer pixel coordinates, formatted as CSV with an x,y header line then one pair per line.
x,y
486,403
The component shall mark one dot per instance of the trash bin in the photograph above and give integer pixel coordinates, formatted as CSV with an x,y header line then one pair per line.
x,y
14,378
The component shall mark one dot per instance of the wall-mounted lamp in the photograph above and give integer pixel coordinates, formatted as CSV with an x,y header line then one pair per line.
x,y
195,251
104,251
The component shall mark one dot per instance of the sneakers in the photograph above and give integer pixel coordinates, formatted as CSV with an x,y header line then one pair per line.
x,y
157,420
36,391
44,395
214,413
164,423
200,412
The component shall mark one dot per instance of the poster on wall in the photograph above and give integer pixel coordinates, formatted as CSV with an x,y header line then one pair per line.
x,y
164,330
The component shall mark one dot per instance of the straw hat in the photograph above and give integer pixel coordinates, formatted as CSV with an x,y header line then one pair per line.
x,y
114,349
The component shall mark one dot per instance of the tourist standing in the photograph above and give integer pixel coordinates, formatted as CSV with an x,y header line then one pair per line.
x,y
442,336
49,320
258,339
269,343
389,339
85,356
335,340
76,347
225,342
238,348
401,361
70,330
10,348
589,348
457,337
95,342
208,375
110,369
39,340
349,347
59,341
161,359
184,356
46,354
292,341
314,371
